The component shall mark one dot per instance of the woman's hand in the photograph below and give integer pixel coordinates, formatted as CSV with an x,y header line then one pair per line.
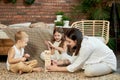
x,y
61,62
53,68
56,68
57,62
54,62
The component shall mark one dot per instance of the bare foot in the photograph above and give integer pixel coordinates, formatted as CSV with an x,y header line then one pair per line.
x,y
38,69
20,72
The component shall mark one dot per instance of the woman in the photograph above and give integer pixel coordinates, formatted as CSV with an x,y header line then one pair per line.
x,y
89,54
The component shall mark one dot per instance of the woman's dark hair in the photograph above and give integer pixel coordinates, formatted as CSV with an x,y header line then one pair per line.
x,y
75,35
61,31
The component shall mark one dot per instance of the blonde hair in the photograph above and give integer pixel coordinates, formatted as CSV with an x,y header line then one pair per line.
x,y
20,35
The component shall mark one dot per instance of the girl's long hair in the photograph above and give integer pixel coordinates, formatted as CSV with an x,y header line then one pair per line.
x,y
75,35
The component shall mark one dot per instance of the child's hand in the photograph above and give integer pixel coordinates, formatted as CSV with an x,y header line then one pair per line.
x,y
26,55
48,45
46,42
23,59
51,44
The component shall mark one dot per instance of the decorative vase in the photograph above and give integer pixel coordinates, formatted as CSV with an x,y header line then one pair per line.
x,y
66,23
59,17
59,26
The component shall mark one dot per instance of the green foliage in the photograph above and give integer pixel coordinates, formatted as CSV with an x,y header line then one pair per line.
x,y
100,14
59,23
112,44
29,2
12,1
65,18
95,9
59,13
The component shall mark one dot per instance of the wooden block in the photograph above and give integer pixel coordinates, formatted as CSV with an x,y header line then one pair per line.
x,y
47,59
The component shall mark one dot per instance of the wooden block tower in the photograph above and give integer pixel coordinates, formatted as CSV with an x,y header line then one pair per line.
x,y
47,59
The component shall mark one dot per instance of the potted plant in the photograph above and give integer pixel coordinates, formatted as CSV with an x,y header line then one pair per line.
x,y
66,21
59,24
59,15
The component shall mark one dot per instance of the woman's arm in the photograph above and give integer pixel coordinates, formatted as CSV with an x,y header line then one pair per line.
x,y
83,55
78,63
64,62
11,59
56,68
59,65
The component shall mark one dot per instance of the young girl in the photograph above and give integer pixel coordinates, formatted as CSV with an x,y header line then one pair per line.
x,y
89,54
57,46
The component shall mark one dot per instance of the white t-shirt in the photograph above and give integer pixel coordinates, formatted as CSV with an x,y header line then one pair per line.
x,y
18,54
93,51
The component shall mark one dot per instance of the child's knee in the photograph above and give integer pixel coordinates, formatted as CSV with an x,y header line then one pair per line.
x,y
35,61
21,65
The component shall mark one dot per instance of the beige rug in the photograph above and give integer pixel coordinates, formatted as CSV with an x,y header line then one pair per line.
x,y
5,75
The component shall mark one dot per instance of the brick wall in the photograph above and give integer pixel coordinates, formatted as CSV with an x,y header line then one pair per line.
x,y
41,10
